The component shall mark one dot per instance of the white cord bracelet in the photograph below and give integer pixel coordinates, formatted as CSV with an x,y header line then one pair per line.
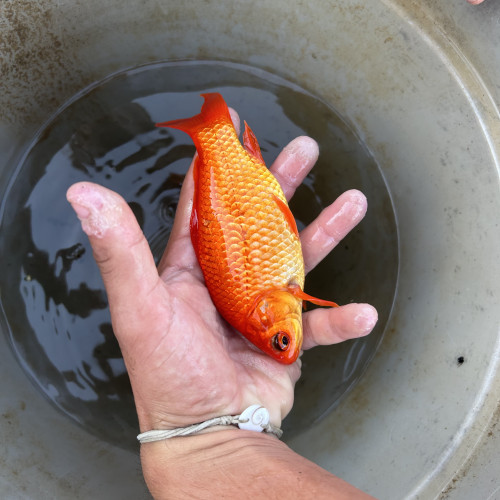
x,y
254,418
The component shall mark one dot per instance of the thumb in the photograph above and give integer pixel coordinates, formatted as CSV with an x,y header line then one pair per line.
x,y
120,248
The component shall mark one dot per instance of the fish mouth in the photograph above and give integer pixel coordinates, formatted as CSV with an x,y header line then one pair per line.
x,y
285,340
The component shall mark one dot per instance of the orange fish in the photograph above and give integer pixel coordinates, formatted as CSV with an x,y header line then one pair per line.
x,y
244,235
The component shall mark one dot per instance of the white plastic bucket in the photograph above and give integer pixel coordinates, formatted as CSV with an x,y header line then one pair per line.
x,y
419,85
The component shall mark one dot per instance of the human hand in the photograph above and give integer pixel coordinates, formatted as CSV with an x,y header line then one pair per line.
x,y
185,363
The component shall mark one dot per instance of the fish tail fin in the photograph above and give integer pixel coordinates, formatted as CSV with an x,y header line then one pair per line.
x,y
214,110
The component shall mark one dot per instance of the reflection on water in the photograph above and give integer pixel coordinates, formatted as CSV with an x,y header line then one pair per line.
x,y
51,291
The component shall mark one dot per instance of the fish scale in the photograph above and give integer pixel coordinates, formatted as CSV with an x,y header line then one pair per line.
x,y
248,267
244,234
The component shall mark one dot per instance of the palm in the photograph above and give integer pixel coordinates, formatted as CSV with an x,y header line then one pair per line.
x,y
221,372
185,363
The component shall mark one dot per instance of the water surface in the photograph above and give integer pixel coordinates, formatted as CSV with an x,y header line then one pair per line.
x,y
51,291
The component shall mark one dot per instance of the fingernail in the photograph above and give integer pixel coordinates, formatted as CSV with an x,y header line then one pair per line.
x,y
97,208
81,211
303,147
353,210
235,119
356,208
357,202
366,320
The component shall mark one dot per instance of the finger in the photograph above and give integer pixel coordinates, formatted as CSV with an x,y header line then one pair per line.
x,y
475,2
294,163
236,120
179,253
333,223
120,248
334,325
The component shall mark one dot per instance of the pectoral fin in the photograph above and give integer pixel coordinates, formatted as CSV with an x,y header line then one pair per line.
x,y
300,294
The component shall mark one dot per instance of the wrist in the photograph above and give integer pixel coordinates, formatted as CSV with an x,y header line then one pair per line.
x,y
235,463
201,460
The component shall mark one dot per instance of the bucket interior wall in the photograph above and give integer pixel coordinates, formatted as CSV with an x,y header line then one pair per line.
x,y
417,85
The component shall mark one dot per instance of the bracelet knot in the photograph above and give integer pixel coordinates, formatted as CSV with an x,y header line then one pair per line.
x,y
255,418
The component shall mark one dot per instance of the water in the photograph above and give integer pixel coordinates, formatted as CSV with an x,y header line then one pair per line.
x,y
51,291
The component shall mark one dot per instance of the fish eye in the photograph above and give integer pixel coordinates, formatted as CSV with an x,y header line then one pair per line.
x,y
281,341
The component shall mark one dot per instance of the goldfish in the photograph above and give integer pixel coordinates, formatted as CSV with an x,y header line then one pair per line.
x,y
244,235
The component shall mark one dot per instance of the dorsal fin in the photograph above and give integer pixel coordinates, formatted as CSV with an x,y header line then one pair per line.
x,y
251,144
